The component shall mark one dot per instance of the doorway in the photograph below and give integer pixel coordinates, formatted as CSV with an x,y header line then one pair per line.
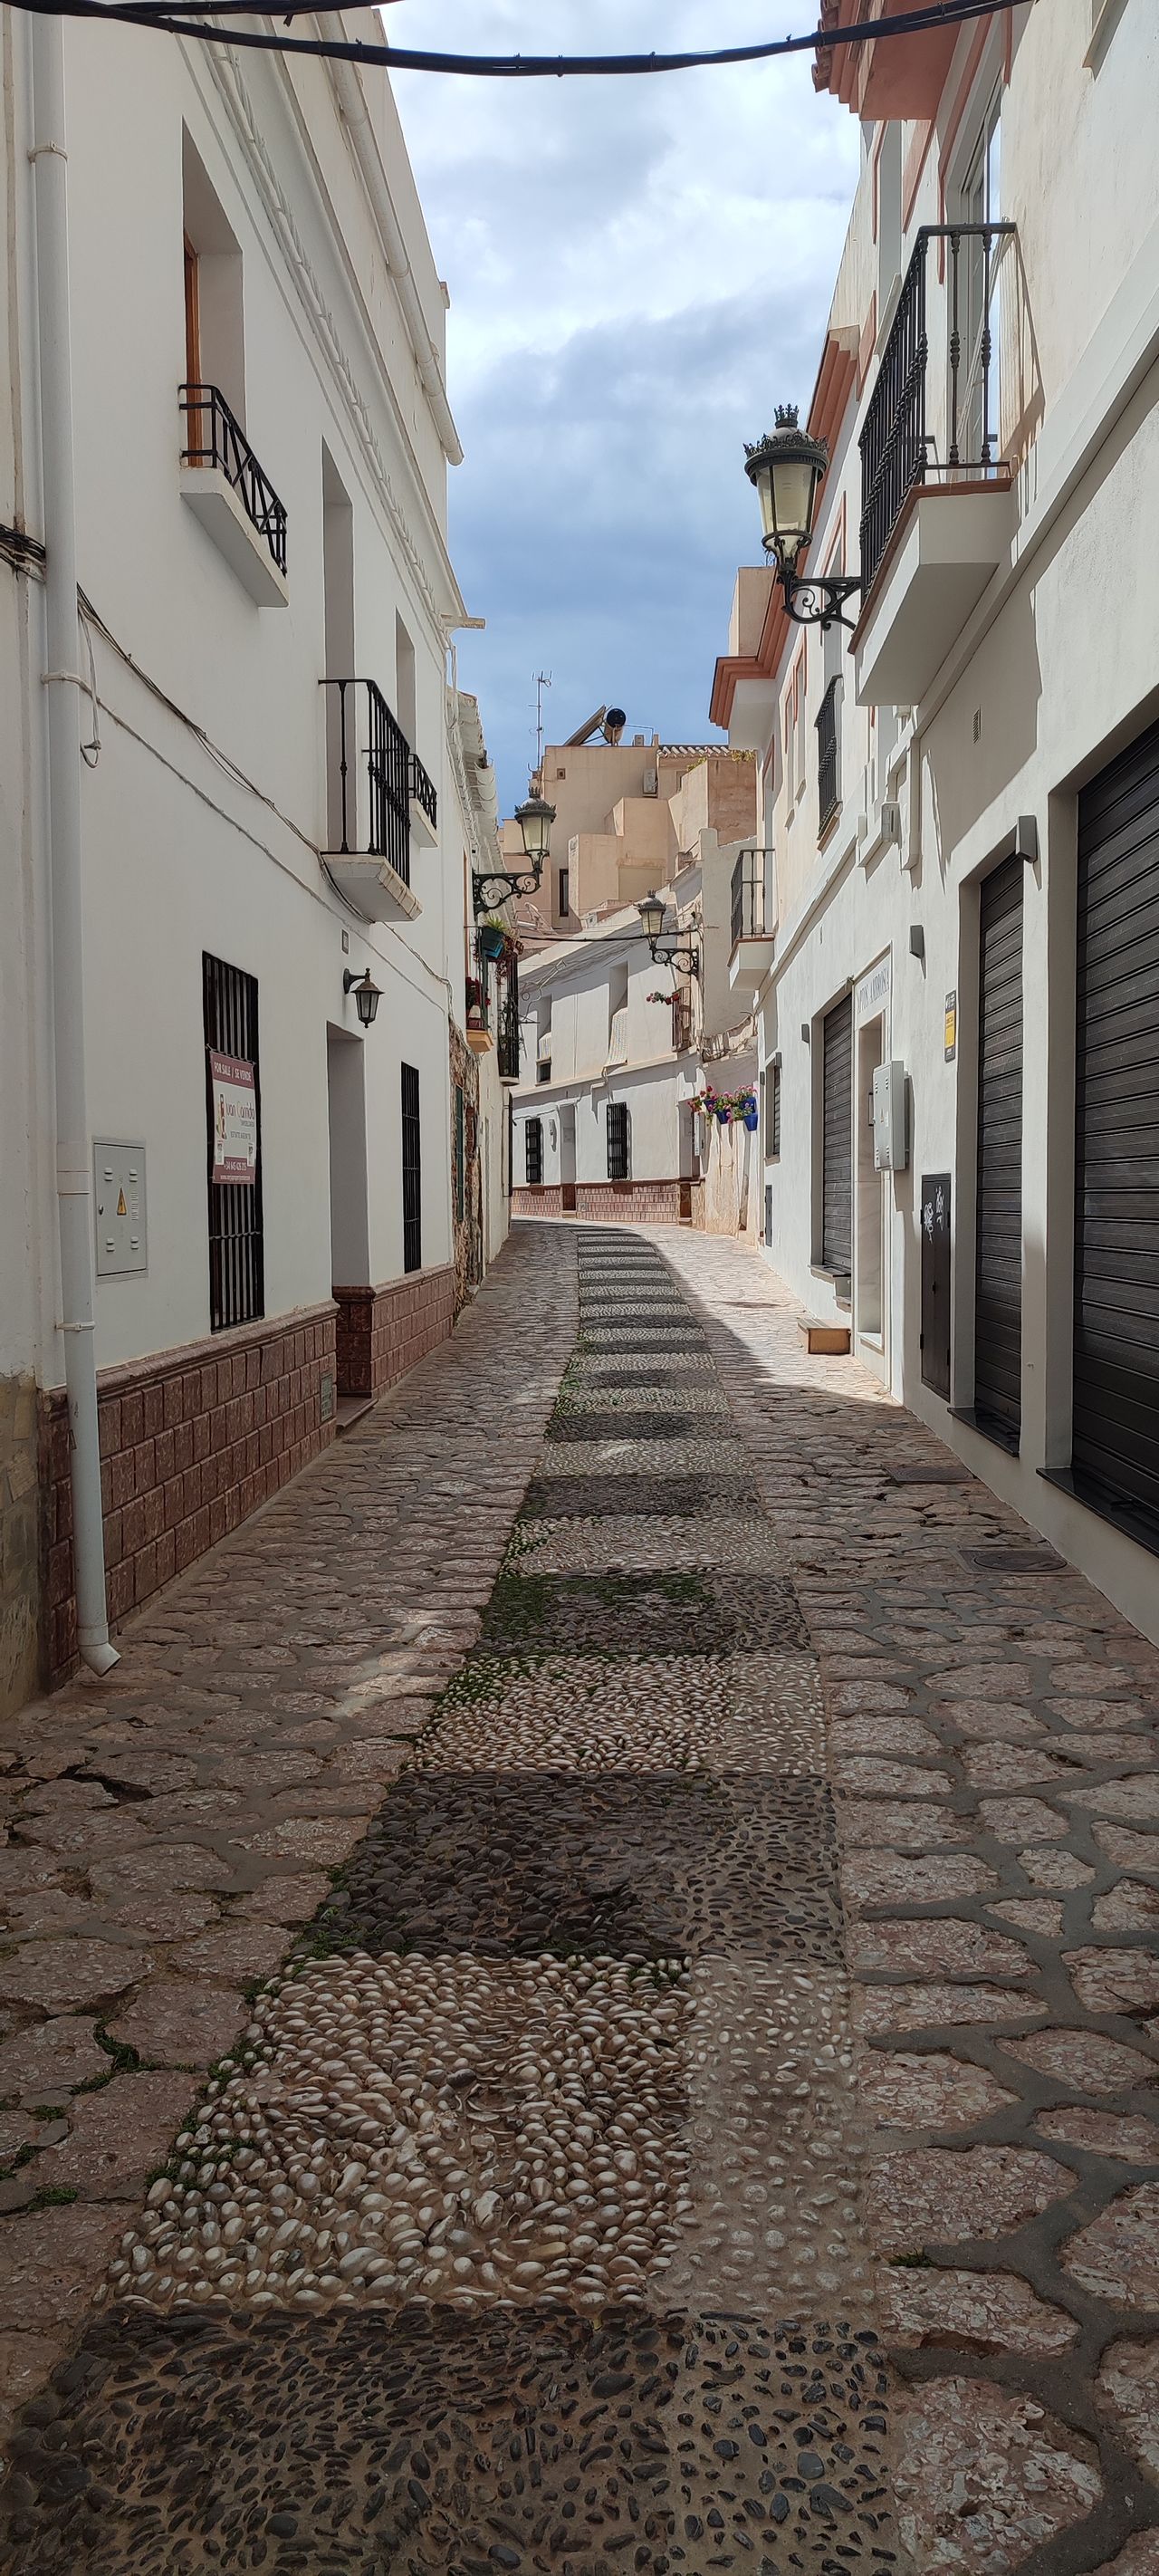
x,y
869,1285
349,1219
567,1158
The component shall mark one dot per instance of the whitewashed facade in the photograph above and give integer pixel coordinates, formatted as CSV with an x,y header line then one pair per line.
x,y
1005,659
259,236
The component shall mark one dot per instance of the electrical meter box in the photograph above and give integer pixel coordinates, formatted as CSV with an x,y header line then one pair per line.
x,y
890,1141
119,1204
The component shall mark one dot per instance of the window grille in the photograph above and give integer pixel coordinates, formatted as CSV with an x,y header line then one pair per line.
x,y
236,1242
564,903
412,1218
533,1152
768,1212
773,1107
617,1140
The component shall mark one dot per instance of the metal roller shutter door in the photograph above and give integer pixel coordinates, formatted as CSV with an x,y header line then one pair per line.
x,y
837,1145
998,1261
1115,1451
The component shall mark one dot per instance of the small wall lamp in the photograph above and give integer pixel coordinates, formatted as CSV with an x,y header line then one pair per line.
x,y
367,995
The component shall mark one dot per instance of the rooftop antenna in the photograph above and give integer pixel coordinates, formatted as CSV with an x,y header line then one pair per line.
x,y
542,682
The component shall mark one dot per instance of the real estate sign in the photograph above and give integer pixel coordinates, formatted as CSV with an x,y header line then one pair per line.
x,y
235,1118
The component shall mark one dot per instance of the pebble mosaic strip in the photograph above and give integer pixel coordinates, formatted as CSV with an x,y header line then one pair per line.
x,y
353,2444
638,1713
629,1543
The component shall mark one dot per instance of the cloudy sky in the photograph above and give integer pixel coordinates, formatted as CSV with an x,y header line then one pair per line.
x,y
639,270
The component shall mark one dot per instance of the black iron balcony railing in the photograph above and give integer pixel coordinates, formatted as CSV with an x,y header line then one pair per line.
x,y
828,739
366,730
422,788
682,1024
900,443
507,1033
748,896
214,437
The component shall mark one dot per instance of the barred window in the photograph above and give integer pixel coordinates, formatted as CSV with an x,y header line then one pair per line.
x,y
533,1150
412,1220
232,1077
773,1107
617,1140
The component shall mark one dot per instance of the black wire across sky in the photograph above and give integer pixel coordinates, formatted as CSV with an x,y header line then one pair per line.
x,y
191,19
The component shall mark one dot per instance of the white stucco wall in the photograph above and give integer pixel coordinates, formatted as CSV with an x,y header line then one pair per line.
x,y
203,816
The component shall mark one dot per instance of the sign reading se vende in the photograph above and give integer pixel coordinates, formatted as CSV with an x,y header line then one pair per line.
x,y
235,1118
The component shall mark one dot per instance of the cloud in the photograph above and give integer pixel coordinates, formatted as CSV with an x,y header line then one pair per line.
x,y
638,270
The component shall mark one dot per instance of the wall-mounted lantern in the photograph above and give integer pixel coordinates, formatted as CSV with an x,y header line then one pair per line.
x,y
786,469
367,995
653,913
491,888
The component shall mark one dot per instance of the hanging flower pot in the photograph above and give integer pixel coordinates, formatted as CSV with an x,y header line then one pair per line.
x,y
723,1113
752,1115
492,941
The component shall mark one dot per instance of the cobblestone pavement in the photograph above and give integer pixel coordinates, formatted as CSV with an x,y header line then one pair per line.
x,y
561,2205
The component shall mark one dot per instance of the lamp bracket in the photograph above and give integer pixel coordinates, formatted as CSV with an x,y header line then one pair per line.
x,y
494,887
818,602
673,955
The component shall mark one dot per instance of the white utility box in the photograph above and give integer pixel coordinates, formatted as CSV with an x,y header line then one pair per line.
x,y
890,1141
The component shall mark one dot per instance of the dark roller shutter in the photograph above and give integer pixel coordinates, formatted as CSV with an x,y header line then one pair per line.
x,y
998,1271
837,1150
1116,1317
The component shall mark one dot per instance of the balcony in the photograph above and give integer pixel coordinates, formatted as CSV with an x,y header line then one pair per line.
x,y
936,503
752,927
424,805
369,763
682,1036
228,493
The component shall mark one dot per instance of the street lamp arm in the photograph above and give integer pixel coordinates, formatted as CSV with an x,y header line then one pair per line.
x,y
819,602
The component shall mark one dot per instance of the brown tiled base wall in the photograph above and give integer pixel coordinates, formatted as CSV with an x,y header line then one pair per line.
x,y
608,1202
191,1442
382,1332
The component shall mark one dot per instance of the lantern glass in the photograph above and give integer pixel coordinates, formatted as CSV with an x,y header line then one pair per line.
x,y
535,819
367,997
651,913
786,470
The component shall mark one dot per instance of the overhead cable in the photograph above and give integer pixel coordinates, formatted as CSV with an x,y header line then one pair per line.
x,y
401,58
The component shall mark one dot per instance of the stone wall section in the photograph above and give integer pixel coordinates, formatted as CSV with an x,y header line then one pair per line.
x,y
467,1229
383,1332
191,1443
20,1582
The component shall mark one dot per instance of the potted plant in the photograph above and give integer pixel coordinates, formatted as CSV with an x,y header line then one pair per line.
x,y
750,1112
492,936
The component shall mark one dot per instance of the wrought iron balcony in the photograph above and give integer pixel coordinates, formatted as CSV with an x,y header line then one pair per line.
x,y
935,414
370,777
422,788
748,897
682,1024
215,439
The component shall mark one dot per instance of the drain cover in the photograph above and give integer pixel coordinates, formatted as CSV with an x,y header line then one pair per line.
x,y
1015,1560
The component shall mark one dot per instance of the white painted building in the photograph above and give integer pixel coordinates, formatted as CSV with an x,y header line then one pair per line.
x,y
964,804
268,802
614,1048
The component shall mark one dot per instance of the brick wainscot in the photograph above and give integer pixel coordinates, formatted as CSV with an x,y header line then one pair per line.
x,y
383,1332
607,1202
192,1440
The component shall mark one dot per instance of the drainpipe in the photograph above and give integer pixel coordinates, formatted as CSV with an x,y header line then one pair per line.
x,y
62,682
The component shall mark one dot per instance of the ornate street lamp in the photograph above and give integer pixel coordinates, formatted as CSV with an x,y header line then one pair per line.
x,y
535,818
367,995
652,913
786,468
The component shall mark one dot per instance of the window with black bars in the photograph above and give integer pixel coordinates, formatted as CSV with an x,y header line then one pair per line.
x,y
828,762
412,1190
773,1111
617,1140
237,1278
533,1152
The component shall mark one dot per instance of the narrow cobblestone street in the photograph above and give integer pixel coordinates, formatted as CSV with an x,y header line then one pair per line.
x,y
708,2118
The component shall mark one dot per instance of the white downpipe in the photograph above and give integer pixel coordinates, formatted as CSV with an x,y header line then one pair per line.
x,y
73,1183
352,100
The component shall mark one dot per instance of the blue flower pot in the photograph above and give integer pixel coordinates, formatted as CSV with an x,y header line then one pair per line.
x,y
752,1120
